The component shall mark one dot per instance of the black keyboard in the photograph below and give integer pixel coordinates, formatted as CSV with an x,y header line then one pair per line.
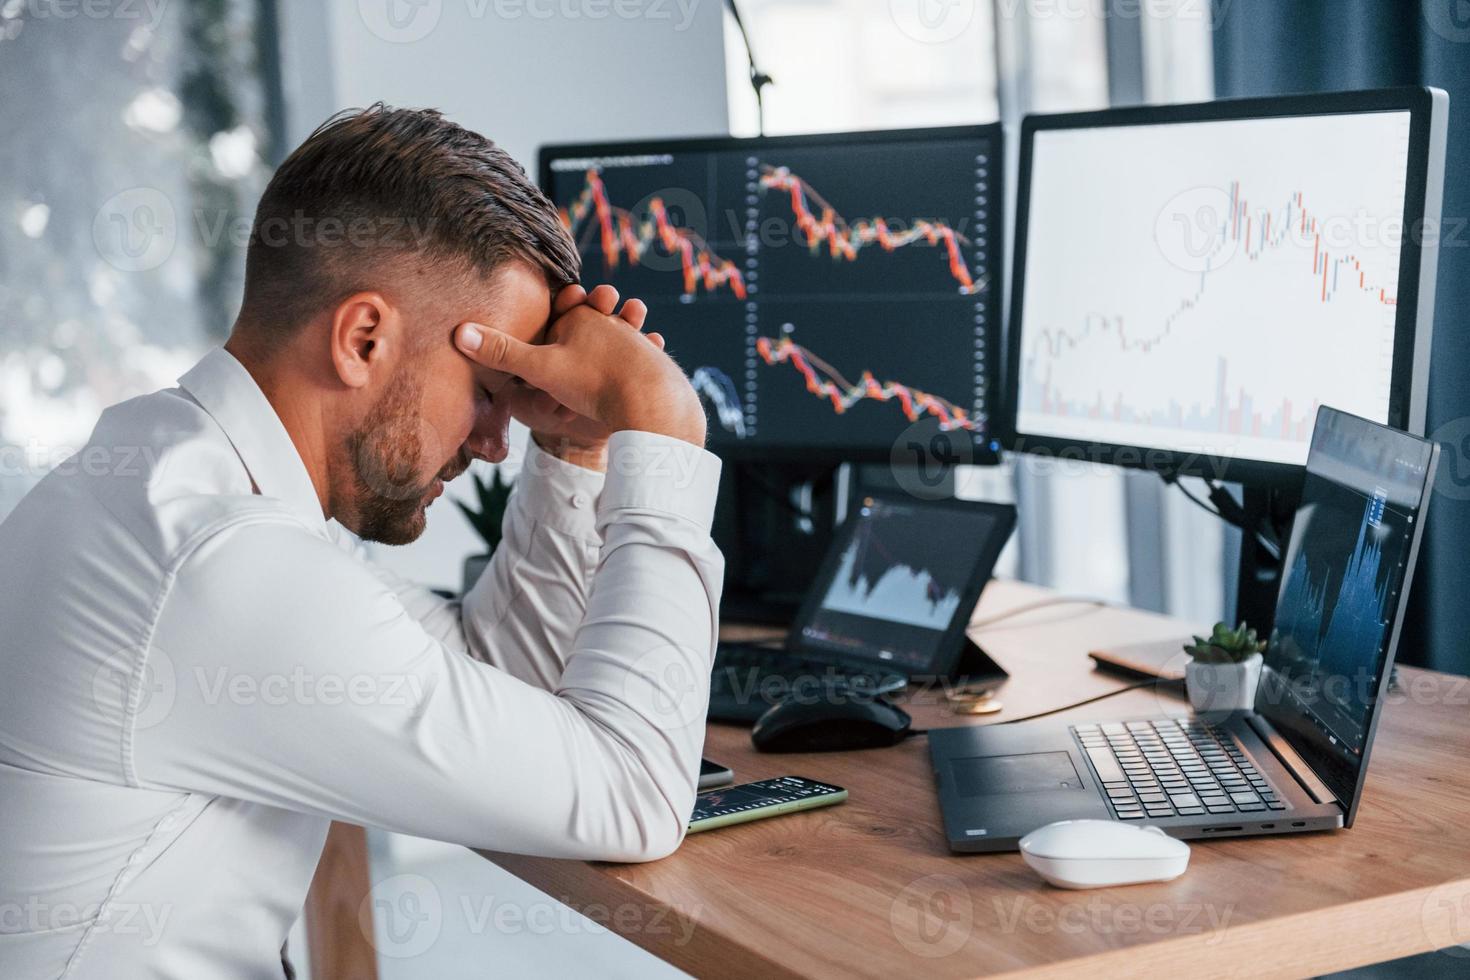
x,y
1156,769
748,679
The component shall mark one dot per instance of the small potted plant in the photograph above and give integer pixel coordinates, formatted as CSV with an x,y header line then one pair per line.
x,y
1224,670
485,517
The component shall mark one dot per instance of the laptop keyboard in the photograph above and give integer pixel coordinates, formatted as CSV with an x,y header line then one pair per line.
x,y
1168,768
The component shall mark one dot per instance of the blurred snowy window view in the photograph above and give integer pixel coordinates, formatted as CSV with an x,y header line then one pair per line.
x,y
134,140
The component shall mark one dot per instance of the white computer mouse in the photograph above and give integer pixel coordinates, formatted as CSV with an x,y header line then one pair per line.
x,y
1101,853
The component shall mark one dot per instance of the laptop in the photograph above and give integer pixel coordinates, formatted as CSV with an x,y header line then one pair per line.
x,y
1297,762
891,603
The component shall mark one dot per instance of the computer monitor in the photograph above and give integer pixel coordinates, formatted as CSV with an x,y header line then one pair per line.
x,y
826,294
1192,282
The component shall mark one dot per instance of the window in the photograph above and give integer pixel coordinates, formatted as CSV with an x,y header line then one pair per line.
x,y
865,64
129,167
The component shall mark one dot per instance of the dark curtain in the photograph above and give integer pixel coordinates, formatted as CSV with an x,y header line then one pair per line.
x,y
1272,47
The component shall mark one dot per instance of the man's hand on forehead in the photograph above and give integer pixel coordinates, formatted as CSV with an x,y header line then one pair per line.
x,y
603,299
559,407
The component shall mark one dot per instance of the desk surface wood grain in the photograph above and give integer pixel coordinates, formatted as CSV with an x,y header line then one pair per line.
x,y
869,888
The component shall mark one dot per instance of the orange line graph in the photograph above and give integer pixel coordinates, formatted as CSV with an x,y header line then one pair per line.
x,y
826,382
844,241
622,234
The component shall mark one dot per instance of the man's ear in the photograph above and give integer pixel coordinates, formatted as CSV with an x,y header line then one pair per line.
x,y
366,332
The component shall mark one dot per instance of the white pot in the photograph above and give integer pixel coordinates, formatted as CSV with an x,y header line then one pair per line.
x,y
1219,689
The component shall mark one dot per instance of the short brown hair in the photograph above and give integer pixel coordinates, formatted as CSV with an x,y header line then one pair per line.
x,y
383,182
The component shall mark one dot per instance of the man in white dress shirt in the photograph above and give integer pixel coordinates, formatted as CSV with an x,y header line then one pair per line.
x,y
200,671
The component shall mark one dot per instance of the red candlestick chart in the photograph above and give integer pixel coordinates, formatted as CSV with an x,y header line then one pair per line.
x,y
626,237
823,228
827,383
623,236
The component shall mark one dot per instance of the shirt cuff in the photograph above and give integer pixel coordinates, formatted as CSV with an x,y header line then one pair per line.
x,y
649,472
558,494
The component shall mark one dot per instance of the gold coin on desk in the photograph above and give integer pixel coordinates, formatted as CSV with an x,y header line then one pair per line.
x,y
981,689
980,706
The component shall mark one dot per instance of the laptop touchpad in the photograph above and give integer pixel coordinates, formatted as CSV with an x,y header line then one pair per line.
x,y
1035,772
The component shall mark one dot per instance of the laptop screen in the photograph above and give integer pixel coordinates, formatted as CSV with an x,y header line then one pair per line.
x,y
903,579
1348,566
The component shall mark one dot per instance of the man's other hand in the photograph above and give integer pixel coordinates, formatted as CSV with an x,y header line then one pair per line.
x,y
596,373
556,428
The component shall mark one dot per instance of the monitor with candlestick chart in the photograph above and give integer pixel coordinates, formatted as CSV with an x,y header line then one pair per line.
x,y
1193,282
828,295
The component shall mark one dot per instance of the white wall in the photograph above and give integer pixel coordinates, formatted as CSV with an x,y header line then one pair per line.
x,y
522,72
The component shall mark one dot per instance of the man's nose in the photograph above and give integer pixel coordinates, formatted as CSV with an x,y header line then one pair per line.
x,y
488,448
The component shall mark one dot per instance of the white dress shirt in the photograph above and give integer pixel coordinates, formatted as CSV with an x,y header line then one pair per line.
x,y
198,672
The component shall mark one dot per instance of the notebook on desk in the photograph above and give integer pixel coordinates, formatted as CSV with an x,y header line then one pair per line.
x,y
1164,659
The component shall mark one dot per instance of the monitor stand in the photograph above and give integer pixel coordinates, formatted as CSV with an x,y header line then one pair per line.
x,y
774,523
1259,581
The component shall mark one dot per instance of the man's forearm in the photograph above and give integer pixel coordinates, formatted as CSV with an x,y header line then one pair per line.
x,y
524,612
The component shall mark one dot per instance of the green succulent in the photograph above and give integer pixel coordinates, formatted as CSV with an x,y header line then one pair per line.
x,y
491,499
1226,645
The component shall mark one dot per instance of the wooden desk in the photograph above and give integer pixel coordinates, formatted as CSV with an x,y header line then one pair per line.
x,y
869,888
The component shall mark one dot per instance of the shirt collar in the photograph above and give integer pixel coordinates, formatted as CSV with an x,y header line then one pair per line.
x,y
224,388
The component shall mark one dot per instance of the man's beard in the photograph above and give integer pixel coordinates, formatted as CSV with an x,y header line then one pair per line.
x,y
384,453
